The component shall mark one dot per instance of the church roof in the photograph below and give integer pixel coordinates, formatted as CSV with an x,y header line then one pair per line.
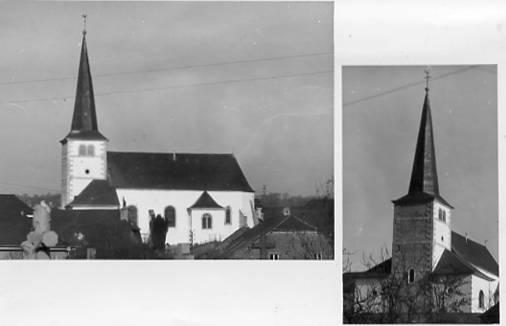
x,y
474,253
178,171
206,201
96,193
453,264
84,119
424,185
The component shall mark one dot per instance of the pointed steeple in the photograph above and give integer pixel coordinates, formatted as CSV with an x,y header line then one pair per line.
x,y
84,120
424,181
424,173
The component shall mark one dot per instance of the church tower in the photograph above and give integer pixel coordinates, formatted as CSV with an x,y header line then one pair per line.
x,y
422,218
84,149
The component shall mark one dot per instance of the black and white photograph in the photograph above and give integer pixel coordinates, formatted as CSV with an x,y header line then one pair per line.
x,y
420,194
167,130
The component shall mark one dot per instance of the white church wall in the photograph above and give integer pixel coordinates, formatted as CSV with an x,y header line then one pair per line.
x,y
218,230
441,232
157,200
488,288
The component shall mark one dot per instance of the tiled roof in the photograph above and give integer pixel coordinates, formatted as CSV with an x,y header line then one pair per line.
x,y
245,236
205,201
97,193
474,253
179,171
450,263
14,224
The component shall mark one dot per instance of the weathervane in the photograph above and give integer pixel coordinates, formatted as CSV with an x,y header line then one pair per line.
x,y
427,77
84,23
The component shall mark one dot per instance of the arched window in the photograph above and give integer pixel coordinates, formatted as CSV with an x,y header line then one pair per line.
x,y
82,150
411,275
170,216
132,215
481,299
91,150
207,221
228,215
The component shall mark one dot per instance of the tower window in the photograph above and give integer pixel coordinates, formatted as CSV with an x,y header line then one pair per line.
x,y
207,221
411,276
82,150
228,213
91,150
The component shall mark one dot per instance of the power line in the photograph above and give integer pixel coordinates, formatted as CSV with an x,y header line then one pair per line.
x,y
229,81
27,186
393,90
204,65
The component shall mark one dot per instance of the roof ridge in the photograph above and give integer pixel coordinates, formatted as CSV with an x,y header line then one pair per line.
x,y
304,222
165,153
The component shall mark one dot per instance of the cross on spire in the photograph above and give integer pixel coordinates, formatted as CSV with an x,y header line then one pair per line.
x,y
84,23
427,77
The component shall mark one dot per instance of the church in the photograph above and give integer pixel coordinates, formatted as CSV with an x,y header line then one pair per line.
x,y
432,269
204,197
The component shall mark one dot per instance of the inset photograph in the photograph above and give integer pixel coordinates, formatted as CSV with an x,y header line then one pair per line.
x,y
167,131
420,194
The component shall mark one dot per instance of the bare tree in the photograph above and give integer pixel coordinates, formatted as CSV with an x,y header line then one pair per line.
x,y
386,296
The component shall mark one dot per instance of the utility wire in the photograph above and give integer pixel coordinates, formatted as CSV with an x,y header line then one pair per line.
x,y
229,81
409,85
27,186
224,63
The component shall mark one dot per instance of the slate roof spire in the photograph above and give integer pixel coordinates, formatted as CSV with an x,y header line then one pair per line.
x,y
84,120
424,180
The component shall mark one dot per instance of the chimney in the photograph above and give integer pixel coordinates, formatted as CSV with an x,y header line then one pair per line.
x,y
173,156
466,237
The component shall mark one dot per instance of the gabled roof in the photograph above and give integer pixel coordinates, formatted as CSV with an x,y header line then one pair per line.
x,y
97,193
205,201
452,264
84,119
424,184
474,253
179,171
245,236
14,224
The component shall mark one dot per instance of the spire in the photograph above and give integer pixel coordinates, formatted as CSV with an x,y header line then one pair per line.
x,y
424,173
424,181
84,119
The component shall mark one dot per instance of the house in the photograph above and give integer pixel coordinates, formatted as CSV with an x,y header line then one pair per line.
x,y
432,268
206,197
279,236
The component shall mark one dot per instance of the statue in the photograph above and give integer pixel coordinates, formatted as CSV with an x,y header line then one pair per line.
x,y
41,239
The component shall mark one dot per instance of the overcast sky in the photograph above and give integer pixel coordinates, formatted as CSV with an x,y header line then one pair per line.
x,y
280,129
380,127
